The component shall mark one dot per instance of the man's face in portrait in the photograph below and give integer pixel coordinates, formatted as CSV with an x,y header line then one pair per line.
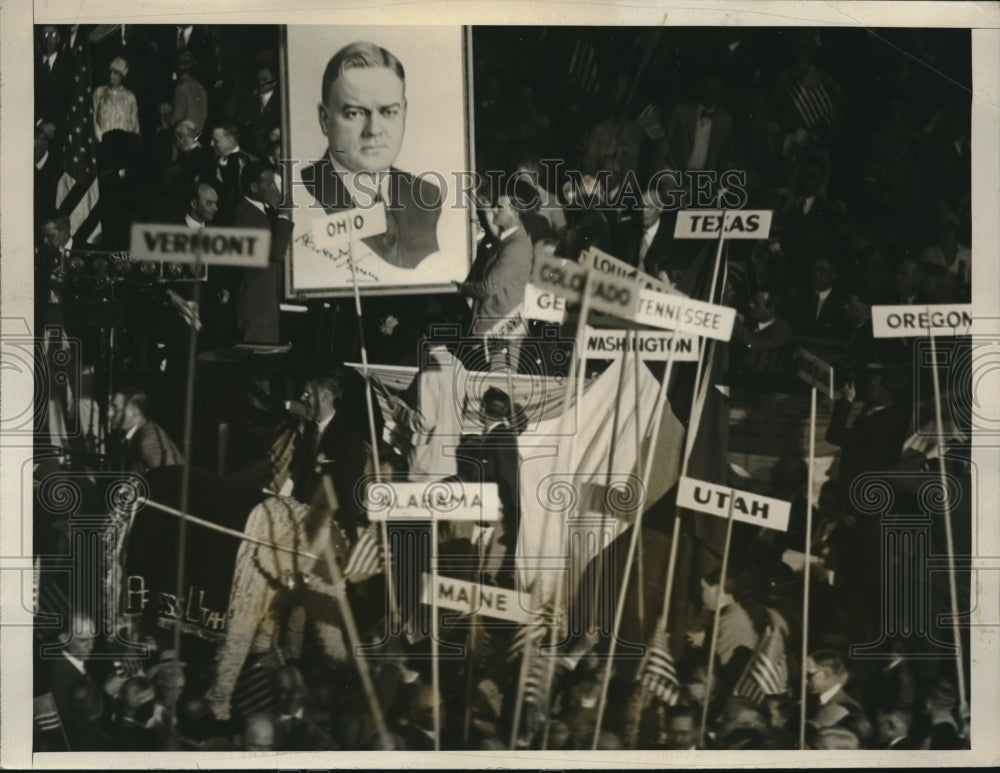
x,y
364,118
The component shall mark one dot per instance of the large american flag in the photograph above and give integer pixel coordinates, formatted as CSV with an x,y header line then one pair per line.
x,y
77,192
767,672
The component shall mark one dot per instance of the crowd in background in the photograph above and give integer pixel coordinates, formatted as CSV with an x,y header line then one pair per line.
x,y
862,151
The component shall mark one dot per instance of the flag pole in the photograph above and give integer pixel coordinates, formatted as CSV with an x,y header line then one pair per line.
x,y
807,570
350,623
946,503
578,371
599,573
192,362
715,625
694,420
633,542
435,673
386,547
638,467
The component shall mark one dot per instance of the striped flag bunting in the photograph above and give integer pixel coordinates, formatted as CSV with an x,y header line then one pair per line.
x,y
767,672
658,674
649,121
366,558
77,192
583,67
46,713
813,103
253,691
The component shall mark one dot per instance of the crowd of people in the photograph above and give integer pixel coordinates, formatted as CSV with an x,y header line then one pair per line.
x,y
864,162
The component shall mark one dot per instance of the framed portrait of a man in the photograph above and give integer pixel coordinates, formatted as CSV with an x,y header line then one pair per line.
x,y
377,134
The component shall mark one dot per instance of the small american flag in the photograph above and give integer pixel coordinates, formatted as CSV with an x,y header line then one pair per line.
x,y
253,691
46,713
658,674
77,192
813,103
366,558
767,672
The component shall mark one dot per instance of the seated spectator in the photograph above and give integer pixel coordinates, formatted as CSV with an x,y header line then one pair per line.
x,y
907,282
829,704
835,737
938,728
682,728
66,669
892,727
296,732
198,729
85,724
168,682
417,723
742,724
135,710
260,733
948,253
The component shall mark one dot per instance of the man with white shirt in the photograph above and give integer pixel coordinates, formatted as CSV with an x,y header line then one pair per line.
x,y
819,312
230,160
826,675
53,79
69,664
363,116
295,732
699,133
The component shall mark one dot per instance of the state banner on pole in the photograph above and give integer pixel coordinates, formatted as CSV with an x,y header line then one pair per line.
x,y
472,598
902,321
445,500
733,224
242,247
747,507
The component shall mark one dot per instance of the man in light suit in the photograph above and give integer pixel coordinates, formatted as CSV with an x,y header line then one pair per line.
x,y
363,116
502,269
146,444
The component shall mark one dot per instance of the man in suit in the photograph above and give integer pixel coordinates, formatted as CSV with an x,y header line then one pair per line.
x,y
699,133
296,733
644,236
892,725
262,113
493,458
189,100
333,444
53,79
363,116
819,313
70,664
258,291
47,174
502,269
230,160
830,704
146,444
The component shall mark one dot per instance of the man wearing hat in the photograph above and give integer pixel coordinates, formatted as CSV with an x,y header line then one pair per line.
x,y
114,105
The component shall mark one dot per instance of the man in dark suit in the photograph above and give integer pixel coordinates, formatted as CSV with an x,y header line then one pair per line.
x,y
47,174
333,444
819,312
70,664
258,291
146,444
830,705
230,160
363,115
262,113
493,458
699,133
644,237
53,79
